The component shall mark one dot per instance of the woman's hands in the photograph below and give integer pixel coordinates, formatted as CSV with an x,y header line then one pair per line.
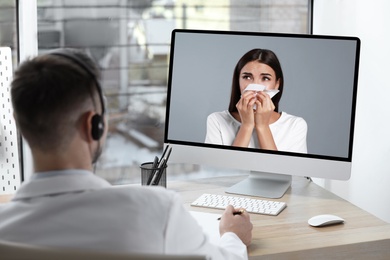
x,y
258,119
245,108
264,109
247,118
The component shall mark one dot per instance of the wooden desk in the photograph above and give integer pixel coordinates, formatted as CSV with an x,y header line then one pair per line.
x,y
288,236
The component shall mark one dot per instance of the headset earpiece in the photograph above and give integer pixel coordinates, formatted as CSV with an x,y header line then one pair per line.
x,y
97,127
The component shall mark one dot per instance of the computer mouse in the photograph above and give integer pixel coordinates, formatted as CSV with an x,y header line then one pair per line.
x,y
325,220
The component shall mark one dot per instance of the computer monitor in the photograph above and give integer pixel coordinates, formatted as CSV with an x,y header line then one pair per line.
x,y
316,111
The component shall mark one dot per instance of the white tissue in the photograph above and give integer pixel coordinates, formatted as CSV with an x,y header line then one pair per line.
x,y
255,87
258,87
271,92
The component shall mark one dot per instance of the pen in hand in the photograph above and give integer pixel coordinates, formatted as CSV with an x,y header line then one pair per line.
x,y
235,213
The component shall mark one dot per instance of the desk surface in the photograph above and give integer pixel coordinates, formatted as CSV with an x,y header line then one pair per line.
x,y
363,236
288,236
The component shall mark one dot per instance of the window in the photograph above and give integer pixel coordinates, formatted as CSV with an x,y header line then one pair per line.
x,y
8,35
130,40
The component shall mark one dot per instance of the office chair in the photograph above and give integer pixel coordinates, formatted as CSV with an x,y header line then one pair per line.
x,y
20,251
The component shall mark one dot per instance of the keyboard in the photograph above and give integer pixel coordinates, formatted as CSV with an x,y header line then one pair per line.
x,y
257,206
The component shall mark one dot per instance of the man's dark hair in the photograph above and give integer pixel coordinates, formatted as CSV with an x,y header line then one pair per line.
x,y
48,94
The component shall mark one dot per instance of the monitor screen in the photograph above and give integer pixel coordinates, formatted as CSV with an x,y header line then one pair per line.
x,y
305,87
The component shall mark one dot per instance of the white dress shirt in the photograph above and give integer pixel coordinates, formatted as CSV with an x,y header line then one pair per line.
x,y
76,209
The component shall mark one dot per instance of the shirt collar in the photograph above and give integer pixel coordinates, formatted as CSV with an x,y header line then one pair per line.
x,y
59,182
40,175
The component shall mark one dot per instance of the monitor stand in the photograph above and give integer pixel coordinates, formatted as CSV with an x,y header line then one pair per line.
x,y
262,184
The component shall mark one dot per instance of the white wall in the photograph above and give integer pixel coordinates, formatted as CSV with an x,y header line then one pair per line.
x,y
369,186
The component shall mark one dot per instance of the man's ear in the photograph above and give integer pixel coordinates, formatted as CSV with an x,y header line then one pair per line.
x,y
86,126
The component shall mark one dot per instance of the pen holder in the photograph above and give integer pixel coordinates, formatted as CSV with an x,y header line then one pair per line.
x,y
150,173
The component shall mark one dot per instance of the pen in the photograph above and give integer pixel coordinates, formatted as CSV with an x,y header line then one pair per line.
x,y
235,213
164,152
157,175
161,168
157,164
154,166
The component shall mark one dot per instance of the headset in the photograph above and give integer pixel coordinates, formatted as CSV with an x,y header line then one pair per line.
x,y
97,119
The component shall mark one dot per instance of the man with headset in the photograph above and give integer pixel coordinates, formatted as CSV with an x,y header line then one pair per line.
x,y
59,109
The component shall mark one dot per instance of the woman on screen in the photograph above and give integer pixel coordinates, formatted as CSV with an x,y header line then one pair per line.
x,y
253,119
